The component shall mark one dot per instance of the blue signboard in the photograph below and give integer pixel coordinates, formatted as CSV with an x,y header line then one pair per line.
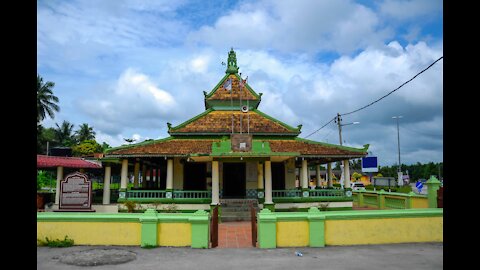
x,y
369,164
419,186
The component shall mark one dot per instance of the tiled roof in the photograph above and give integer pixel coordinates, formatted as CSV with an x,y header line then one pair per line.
x,y
223,94
305,147
221,122
167,147
67,162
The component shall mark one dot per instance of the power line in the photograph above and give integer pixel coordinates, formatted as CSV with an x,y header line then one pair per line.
x,y
379,98
396,88
320,128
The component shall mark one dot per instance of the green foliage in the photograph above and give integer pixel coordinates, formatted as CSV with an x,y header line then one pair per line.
x,y
170,208
87,147
85,132
131,205
66,242
369,187
44,179
404,189
323,206
46,100
415,171
356,176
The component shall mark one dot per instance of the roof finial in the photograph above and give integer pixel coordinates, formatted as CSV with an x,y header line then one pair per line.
x,y
232,63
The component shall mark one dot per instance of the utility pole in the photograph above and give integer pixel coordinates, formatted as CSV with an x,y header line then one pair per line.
x,y
399,170
339,127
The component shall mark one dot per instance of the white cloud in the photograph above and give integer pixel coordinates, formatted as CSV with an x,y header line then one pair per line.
x,y
304,26
410,9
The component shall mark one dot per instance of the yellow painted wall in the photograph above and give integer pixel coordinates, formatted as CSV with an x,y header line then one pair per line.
x,y
251,175
420,203
383,231
174,234
292,233
92,233
177,174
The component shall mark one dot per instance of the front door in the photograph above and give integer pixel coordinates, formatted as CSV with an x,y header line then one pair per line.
x,y
194,176
278,176
234,184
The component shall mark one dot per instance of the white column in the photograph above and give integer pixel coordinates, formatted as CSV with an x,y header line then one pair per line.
x,y
136,170
124,174
215,183
319,179
106,184
268,182
169,173
329,174
259,175
59,178
304,174
346,173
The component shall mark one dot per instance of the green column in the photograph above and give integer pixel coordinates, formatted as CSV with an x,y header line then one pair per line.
x,y
433,185
200,229
267,229
361,202
316,222
381,199
410,200
149,228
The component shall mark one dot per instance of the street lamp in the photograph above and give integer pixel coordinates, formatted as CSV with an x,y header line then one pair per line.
x,y
399,170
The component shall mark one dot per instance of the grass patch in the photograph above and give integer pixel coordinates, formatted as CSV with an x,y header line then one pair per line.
x,y
66,242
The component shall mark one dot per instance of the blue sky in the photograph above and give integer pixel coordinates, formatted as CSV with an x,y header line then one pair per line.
x,y
129,67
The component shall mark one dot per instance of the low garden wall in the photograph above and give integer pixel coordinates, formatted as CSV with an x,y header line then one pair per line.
x,y
317,228
389,200
131,229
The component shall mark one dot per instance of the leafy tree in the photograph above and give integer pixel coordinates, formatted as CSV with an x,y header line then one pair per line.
x,y
45,135
64,134
46,101
85,132
86,148
356,176
105,146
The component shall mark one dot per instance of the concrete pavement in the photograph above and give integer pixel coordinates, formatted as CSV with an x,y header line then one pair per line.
x,y
393,256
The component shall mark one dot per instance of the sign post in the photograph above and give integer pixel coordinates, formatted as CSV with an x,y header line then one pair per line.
x,y
76,193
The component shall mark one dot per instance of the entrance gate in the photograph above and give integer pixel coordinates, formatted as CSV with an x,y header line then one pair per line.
x,y
214,227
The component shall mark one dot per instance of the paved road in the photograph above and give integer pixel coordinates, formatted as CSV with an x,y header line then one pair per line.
x,y
395,256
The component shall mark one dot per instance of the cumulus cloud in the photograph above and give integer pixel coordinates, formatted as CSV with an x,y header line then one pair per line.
x,y
304,26
134,101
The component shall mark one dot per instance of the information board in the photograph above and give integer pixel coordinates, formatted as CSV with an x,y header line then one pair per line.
x,y
76,192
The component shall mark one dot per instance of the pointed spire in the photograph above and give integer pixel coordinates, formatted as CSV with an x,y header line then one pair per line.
x,y
232,63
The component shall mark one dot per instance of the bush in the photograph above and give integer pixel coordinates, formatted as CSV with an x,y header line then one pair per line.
x,y
131,205
66,242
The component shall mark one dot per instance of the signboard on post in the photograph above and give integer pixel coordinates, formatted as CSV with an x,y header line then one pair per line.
x,y
76,193
369,164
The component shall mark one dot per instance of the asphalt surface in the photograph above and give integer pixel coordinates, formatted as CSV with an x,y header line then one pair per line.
x,y
393,256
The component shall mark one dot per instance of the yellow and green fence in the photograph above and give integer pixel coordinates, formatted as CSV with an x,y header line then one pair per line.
x,y
317,228
389,200
146,229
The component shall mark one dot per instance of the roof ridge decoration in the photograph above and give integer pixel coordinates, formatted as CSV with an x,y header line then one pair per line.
x,y
232,63
222,96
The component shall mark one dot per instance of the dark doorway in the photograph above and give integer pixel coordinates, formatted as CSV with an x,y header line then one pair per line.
x,y
278,176
163,176
194,176
234,184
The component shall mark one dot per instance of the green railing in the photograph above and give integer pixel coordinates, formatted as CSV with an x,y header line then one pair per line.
x,y
370,199
326,193
395,202
286,193
191,194
296,193
143,194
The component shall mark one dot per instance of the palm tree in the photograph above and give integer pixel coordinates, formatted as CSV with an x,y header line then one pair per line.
x,y
63,134
85,132
46,101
